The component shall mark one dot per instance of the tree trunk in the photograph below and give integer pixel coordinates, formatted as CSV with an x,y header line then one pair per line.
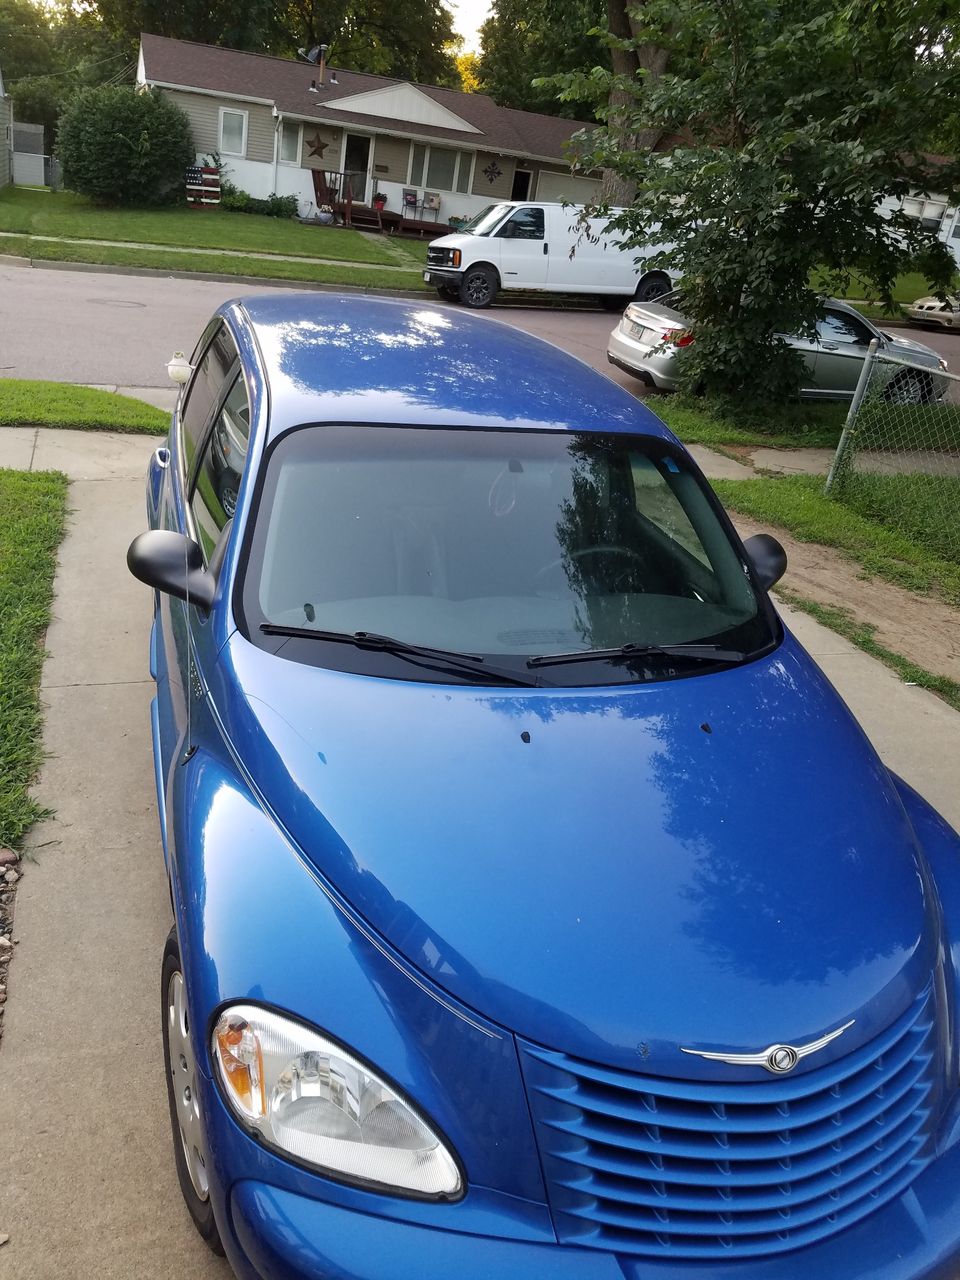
x,y
615,189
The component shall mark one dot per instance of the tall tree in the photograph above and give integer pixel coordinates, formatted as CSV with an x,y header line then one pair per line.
x,y
797,120
525,42
410,39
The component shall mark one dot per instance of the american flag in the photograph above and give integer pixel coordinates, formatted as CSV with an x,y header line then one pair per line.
x,y
203,186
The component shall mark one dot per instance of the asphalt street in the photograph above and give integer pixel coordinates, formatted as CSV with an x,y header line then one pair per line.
x,y
75,326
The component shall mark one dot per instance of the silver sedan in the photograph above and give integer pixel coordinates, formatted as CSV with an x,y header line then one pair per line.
x,y
650,339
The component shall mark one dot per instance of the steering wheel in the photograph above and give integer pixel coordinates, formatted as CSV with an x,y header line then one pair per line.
x,y
604,549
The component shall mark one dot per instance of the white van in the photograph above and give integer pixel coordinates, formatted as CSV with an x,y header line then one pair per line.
x,y
522,244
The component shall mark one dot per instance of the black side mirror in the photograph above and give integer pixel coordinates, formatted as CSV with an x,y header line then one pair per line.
x,y
768,558
172,563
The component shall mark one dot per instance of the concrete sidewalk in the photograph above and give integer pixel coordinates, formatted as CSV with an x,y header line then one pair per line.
x,y
87,1185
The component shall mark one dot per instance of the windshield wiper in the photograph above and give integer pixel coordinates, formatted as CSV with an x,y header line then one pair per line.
x,y
473,663
625,652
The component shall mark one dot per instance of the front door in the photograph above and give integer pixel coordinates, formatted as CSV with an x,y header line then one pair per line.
x,y
842,341
356,165
521,185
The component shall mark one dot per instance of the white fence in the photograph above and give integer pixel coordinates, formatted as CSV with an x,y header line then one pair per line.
x,y
28,169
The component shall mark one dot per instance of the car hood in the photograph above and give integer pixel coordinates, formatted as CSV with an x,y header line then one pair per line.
x,y
907,349
717,862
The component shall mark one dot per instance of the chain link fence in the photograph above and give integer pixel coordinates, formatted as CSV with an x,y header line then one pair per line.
x,y
898,461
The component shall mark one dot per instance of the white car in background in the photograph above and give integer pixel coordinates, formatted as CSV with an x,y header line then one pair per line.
x,y
944,313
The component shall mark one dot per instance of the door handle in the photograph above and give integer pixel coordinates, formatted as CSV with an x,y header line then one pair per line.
x,y
162,456
830,346
546,247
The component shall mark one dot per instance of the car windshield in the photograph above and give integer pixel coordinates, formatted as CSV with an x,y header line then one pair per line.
x,y
487,219
507,544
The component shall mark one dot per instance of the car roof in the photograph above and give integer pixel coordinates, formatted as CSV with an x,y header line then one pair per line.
x,y
334,357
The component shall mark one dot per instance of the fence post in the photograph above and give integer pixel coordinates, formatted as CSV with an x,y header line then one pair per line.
x,y
844,445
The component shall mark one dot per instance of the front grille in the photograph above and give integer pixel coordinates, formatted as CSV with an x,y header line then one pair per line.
x,y
436,257
689,1169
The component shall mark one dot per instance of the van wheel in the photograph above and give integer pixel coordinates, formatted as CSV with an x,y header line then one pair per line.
x,y
449,292
479,287
652,287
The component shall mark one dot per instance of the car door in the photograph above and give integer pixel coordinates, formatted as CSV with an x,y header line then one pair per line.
x,y
842,342
215,363
523,249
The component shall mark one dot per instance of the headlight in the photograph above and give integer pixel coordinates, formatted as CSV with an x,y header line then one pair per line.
x,y
308,1097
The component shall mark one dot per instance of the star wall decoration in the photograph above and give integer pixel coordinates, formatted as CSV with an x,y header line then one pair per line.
x,y
492,172
316,146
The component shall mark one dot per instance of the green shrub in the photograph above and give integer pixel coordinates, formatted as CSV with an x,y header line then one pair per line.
x,y
236,201
121,147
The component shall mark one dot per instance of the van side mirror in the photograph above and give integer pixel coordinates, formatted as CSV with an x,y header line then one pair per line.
x,y
768,558
172,563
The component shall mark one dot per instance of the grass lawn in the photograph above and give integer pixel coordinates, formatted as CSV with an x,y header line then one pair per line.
x,y
801,425
65,214
32,514
797,503
60,404
926,509
219,264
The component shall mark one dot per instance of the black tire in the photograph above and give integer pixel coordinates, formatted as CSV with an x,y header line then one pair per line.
x,y
199,1206
652,286
479,287
449,292
909,387
228,496
613,301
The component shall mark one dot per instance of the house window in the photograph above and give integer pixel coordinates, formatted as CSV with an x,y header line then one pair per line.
x,y
440,167
930,213
290,142
233,132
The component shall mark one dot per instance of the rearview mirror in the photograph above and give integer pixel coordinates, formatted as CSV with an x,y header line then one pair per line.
x,y
172,563
768,558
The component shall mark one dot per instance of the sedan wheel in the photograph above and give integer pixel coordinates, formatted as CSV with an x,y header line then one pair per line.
x,y
909,388
184,1098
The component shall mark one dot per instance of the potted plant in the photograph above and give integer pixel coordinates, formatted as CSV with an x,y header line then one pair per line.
x,y
325,215
379,201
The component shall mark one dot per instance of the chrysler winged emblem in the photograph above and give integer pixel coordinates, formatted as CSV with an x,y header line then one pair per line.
x,y
778,1058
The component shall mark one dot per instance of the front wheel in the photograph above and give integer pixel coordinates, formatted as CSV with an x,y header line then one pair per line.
x,y
478,287
183,1097
909,387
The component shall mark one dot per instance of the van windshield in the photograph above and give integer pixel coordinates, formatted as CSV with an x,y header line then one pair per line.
x,y
487,220
508,544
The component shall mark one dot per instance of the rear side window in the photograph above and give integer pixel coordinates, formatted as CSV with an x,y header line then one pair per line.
x,y
526,224
214,498
204,392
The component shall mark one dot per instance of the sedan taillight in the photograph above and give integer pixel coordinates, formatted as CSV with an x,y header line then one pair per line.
x,y
684,340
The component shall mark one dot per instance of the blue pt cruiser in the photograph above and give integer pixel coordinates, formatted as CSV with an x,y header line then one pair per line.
x,y
540,909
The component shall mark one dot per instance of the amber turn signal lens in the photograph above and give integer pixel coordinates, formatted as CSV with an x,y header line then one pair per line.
x,y
241,1063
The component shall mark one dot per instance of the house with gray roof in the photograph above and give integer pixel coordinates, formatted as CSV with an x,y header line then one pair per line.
x,y
274,122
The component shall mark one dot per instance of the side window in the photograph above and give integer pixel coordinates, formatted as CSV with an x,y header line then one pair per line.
x,y
656,501
526,224
214,498
836,326
204,392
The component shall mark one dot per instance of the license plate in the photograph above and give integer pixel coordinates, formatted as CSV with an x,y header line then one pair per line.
x,y
426,276
639,331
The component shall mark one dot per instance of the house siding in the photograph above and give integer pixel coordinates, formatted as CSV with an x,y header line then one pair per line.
x,y
6,119
501,187
391,158
203,112
331,157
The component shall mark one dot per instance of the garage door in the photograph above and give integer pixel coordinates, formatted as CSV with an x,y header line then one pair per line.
x,y
567,186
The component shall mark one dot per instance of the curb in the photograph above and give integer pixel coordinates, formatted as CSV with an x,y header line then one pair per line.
x,y
269,282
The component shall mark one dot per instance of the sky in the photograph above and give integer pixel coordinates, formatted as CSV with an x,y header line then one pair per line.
x,y
468,15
